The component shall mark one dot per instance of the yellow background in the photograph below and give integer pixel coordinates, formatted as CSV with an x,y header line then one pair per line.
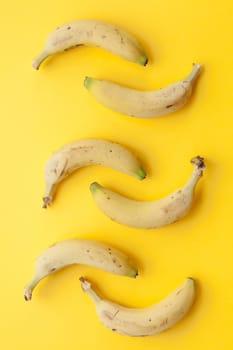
x,y
41,110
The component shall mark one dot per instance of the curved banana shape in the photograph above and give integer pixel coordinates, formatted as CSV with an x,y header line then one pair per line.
x,y
145,104
150,320
149,214
93,33
88,152
79,251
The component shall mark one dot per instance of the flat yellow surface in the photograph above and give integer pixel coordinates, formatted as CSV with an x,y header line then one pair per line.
x,y
41,110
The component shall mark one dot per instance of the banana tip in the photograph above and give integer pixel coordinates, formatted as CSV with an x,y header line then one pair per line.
x,y
140,173
39,59
198,162
82,279
87,82
35,65
46,201
143,60
84,283
197,65
191,281
94,186
27,294
146,61
133,272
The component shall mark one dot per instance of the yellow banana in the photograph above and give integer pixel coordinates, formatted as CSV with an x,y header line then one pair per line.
x,y
93,33
79,251
145,104
88,152
149,214
145,321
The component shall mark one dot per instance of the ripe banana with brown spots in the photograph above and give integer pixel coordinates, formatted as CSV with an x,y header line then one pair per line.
x,y
79,251
145,321
92,32
85,152
144,104
149,214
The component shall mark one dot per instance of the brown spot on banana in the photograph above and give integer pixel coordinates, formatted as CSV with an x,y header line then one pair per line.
x,y
179,291
109,315
62,40
164,322
52,245
53,269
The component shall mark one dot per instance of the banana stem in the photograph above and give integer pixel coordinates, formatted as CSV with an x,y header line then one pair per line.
x,y
86,287
39,59
199,165
194,73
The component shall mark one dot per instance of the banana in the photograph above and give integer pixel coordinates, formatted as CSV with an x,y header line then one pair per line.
x,y
145,104
93,33
79,251
149,214
145,321
88,152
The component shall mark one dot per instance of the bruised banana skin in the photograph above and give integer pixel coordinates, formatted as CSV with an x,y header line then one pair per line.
x,y
144,104
146,321
149,214
88,152
92,32
79,251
